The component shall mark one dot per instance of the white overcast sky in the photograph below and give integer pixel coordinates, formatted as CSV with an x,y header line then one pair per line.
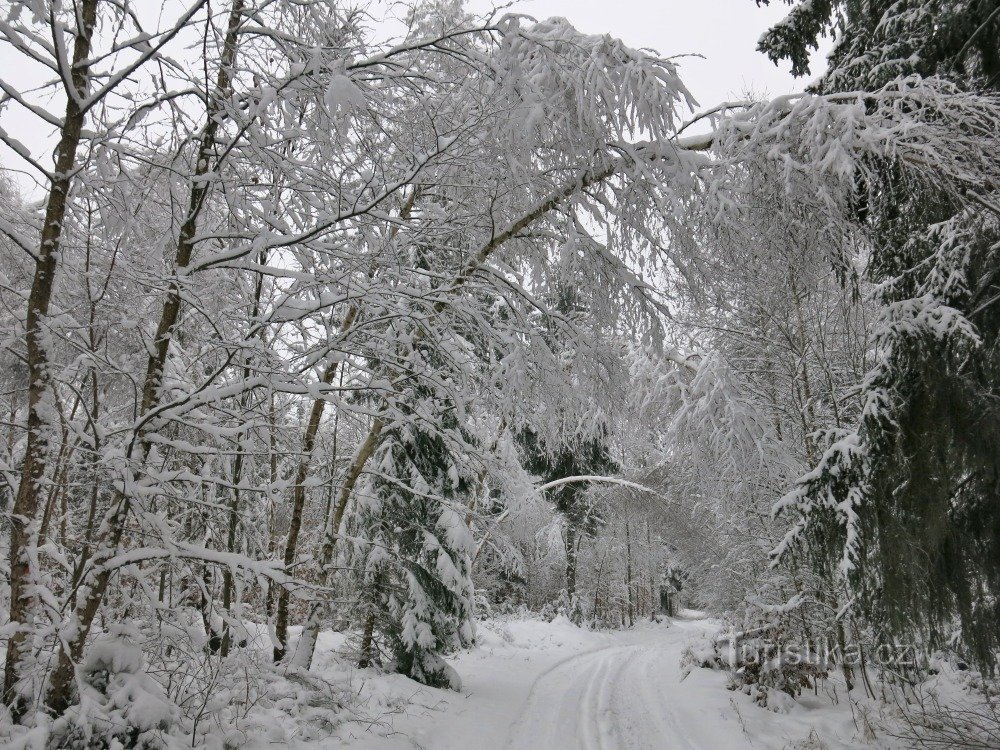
x,y
724,32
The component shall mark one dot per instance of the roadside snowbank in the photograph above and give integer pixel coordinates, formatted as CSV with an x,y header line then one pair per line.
x,y
532,684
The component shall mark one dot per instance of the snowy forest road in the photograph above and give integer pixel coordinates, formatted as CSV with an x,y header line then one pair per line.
x,y
625,696
537,685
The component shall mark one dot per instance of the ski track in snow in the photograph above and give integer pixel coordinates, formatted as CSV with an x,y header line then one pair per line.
x,y
552,686
621,696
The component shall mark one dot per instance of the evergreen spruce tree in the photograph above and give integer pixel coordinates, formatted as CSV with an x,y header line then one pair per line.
x,y
884,39
908,499
568,451
575,457
419,600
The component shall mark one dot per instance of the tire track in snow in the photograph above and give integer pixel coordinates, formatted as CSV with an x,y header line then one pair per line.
x,y
559,709
660,710
612,698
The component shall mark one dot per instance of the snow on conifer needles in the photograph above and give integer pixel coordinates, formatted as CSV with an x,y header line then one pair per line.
x,y
335,331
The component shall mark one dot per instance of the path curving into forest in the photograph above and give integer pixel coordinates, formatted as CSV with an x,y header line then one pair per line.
x,y
533,684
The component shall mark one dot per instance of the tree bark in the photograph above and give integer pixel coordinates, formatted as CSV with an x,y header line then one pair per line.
x,y
570,542
234,505
368,655
310,630
25,510
299,494
61,683
302,472
628,575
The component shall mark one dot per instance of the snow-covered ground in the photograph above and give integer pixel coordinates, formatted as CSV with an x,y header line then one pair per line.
x,y
532,685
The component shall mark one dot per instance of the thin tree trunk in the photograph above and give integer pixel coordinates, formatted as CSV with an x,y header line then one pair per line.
x,y
302,472
61,683
367,657
95,488
597,585
25,510
467,271
652,573
310,632
299,497
807,415
570,542
227,575
234,506
368,653
628,575
272,542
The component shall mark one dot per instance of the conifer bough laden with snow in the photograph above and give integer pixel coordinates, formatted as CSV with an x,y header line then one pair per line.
x,y
289,310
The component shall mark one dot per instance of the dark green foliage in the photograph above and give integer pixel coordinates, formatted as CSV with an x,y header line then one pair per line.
x,y
585,456
884,39
934,512
416,602
924,550
568,451
419,591
798,33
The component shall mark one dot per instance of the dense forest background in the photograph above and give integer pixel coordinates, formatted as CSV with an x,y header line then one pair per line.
x,y
312,328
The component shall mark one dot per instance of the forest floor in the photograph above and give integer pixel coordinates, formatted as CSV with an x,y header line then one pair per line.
x,y
535,685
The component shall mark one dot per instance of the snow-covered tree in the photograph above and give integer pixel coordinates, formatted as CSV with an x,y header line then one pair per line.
x,y
915,468
281,316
